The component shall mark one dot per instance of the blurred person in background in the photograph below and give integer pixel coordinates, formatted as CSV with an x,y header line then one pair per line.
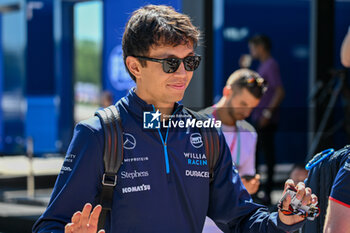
x,y
242,93
265,116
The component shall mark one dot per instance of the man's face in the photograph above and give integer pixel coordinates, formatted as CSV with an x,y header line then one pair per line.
x,y
254,50
160,88
241,104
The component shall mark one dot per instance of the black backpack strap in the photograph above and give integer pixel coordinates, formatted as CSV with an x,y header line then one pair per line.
x,y
211,142
112,157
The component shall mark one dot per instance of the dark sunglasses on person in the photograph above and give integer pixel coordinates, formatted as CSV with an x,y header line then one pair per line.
x,y
170,65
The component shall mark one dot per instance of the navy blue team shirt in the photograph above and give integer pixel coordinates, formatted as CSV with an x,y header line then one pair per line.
x,y
341,186
156,191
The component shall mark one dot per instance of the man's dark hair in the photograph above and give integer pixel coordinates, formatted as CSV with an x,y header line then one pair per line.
x,y
261,40
156,25
248,79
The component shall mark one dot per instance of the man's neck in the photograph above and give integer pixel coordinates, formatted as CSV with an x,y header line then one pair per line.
x,y
165,112
165,108
222,113
264,57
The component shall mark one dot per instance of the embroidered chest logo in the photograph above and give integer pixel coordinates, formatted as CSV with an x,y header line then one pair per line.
x,y
129,141
196,140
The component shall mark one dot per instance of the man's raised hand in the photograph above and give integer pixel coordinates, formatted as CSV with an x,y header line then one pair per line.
x,y
83,221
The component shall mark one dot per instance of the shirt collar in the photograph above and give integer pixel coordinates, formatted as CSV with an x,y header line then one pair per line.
x,y
137,105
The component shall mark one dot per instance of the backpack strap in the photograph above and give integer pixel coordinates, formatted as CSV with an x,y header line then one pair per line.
x,y
112,157
211,142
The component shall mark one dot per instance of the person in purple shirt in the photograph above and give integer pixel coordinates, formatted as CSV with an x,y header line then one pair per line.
x,y
265,116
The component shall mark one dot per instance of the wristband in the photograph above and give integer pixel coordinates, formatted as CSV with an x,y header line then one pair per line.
x,y
267,114
310,211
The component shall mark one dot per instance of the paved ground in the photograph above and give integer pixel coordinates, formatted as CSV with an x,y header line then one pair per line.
x,y
18,208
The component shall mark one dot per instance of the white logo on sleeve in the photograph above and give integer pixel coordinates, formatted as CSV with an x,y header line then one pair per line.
x,y
347,165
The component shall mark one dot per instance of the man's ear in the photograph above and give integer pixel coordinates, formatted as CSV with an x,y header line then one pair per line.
x,y
227,90
134,66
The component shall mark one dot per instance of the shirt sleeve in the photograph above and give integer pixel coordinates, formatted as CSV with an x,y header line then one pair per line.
x,y
340,192
248,168
77,183
230,205
274,76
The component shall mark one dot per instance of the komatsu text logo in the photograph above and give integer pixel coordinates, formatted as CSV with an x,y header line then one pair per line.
x,y
151,120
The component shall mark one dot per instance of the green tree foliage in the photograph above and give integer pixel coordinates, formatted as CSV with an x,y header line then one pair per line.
x,y
88,62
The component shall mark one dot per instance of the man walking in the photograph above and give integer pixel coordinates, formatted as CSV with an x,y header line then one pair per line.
x,y
157,189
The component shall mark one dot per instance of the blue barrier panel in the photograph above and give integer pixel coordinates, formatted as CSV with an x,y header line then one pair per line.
x,y
40,48
116,14
63,70
218,51
41,116
42,121
1,88
13,43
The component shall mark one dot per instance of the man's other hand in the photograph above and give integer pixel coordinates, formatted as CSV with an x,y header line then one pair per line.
x,y
83,221
252,185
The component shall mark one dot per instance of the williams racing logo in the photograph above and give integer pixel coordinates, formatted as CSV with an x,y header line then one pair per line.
x,y
151,120
196,159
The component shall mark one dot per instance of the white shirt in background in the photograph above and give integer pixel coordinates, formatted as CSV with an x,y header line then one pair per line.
x,y
248,138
